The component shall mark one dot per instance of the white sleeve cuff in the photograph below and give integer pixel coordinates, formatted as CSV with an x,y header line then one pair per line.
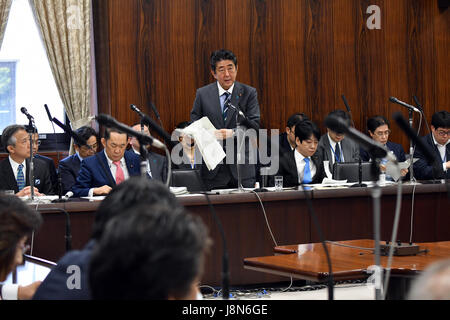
x,y
9,291
444,167
91,193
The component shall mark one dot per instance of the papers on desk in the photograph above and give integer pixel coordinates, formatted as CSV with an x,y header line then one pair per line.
x,y
94,198
203,132
178,190
394,172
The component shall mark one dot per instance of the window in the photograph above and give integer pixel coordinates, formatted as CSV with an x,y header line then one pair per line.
x,y
26,79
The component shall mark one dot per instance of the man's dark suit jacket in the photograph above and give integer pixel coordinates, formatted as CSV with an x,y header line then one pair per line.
x,y
288,169
396,148
41,176
158,166
350,149
54,287
95,172
284,145
69,168
424,170
207,103
52,170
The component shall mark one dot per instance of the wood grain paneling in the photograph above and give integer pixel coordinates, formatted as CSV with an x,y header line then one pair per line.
x,y
300,55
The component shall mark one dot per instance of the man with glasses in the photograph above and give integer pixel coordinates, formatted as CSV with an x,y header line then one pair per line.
x,y
101,172
335,147
70,166
438,141
14,171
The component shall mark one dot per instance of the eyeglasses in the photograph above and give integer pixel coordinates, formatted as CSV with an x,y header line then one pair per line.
x,y
383,133
443,133
36,142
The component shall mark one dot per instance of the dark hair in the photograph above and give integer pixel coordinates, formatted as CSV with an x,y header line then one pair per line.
x,y
86,132
441,119
296,118
133,191
108,131
304,130
376,121
16,221
8,134
148,252
340,114
220,55
30,129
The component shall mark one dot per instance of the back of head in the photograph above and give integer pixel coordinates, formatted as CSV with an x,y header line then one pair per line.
x,y
304,130
342,115
17,220
433,283
296,118
376,121
183,124
151,253
8,135
133,191
220,55
441,119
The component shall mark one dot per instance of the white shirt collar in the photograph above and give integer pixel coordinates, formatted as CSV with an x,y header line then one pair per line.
x,y
438,144
110,162
332,142
222,90
15,165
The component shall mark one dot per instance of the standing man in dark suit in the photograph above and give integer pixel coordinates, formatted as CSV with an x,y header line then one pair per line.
x,y
70,166
305,163
439,142
14,171
156,163
335,147
101,172
212,101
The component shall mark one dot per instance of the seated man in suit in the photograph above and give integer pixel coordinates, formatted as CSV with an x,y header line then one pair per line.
x,y
133,192
47,160
335,147
304,164
101,172
379,129
439,142
14,170
287,138
156,163
70,166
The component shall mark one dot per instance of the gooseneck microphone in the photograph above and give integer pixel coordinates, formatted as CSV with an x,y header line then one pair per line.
x,y
109,121
155,111
348,109
136,109
25,112
246,121
375,148
404,104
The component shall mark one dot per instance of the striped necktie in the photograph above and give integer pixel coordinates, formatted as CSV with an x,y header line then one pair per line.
x,y
20,177
225,105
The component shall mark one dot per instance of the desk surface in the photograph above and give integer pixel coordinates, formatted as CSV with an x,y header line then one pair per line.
x,y
308,261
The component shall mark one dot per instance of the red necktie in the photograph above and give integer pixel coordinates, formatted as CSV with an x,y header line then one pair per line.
x,y
119,172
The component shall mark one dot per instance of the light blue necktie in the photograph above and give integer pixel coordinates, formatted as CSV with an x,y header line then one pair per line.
x,y
225,105
307,172
20,177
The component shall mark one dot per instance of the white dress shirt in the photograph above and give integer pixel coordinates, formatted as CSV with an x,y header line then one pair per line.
x,y
442,150
15,166
300,163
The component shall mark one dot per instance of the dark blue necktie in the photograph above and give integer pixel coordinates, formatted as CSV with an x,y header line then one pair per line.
x,y
225,105
307,172
20,177
338,153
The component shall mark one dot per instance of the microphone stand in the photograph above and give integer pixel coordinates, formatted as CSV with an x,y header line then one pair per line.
x,y
31,172
239,136
359,184
411,149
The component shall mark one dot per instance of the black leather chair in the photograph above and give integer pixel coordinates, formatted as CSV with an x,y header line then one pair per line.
x,y
188,179
350,171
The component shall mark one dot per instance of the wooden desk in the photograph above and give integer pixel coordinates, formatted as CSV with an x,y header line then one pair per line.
x,y
343,214
308,261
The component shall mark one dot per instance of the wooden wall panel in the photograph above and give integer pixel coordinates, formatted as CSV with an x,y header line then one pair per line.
x,y
300,55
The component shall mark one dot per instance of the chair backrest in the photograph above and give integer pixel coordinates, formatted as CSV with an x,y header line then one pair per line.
x,y
188,179
350,171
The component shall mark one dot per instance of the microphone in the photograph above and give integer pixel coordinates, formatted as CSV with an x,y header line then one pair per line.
x,y
249,123
25,112
418,105
111,122
428,153
136,109
348,109
79,140
48,112
160,131
373,147
155,111
404,104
